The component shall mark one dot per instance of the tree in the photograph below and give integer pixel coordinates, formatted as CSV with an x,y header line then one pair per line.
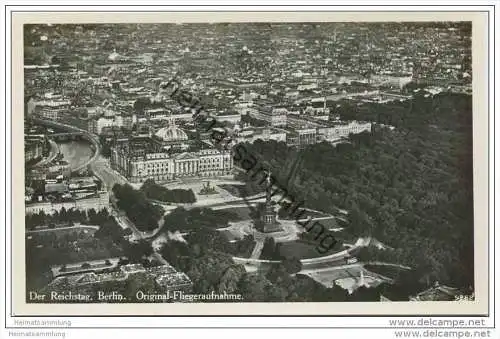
x,y
139,282
230,279
141,104
207,271
396,185
292,265
208,240
365,294
174,251
123,261
136,252
196,218
254,287
269,251
138,209
244,247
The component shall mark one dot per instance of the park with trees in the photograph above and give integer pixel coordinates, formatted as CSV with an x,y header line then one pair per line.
x,y
144,214
181,219
409,187
157,192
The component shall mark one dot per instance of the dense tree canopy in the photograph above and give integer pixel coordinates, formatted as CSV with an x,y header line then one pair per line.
x,y
206,257
136,252
139,210
70,245
270,250
65,217
181,219
410,187
157,192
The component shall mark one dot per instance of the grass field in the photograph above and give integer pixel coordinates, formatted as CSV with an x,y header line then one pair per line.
x,y
241,191
69,247
241,212
303,250
329,223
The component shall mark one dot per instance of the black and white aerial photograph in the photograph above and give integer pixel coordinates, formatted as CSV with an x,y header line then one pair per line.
x,y
248,162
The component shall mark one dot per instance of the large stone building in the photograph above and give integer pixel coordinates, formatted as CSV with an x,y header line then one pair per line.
x,y
276,117
342,130
167,155
250,134
48,108
165,277
96,126
96,201
302,137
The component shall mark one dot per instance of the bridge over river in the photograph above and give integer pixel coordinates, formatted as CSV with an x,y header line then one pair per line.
x,y
73,133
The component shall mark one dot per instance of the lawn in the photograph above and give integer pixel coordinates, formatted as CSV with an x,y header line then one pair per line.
x,y
387,271
329,223
241,213
302,250
181,219
77,246
242,191
305,214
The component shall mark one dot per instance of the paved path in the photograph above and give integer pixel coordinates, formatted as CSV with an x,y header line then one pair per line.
x,y
254,203
311,263
55,229
215,204
54,151
106,174
257,250
379,263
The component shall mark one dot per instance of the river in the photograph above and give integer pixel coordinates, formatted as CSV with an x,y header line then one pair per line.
x,y
76,152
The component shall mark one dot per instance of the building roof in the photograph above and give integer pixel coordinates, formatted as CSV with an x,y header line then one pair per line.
x,y
114,56
185,156
56,187
171,133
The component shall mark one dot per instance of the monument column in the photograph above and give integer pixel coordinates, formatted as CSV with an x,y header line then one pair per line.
x,y
269,214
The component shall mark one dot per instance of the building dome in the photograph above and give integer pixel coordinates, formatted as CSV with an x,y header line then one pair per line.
x,y
115,56
171,134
